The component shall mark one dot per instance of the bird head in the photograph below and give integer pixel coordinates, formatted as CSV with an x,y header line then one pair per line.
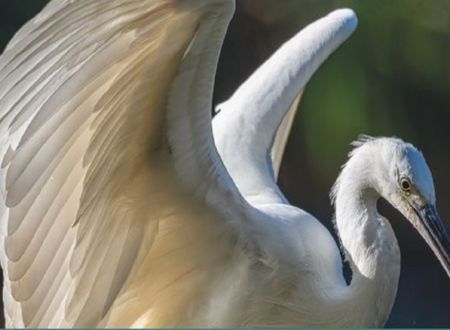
x,y
405,181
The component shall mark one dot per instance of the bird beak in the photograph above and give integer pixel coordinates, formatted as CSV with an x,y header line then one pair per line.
x,y
432,229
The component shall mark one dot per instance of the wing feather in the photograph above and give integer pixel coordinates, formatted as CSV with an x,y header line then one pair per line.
x,y
282,136
249,122
83,90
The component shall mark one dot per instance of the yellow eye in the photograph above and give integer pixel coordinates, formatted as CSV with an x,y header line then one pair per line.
x,y
405,184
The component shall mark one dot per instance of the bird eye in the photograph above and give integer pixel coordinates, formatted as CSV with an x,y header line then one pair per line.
x,y
405,184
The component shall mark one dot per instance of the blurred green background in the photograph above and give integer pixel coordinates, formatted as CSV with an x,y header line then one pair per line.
x,y
392,78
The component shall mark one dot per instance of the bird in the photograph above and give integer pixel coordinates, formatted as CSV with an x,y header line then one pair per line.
x,y
124,204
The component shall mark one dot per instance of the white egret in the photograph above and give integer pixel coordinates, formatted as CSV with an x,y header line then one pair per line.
x,y
118,211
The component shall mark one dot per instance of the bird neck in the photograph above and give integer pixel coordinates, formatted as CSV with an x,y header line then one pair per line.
x,y
369,244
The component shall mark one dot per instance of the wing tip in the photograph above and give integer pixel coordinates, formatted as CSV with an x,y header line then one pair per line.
x,y
347,18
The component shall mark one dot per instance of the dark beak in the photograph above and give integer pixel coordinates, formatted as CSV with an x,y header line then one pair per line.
x,y
433,231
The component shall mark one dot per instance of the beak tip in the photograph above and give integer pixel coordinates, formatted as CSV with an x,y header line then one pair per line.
x,y
433,230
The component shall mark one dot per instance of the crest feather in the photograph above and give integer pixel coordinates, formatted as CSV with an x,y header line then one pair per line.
x,y
362,139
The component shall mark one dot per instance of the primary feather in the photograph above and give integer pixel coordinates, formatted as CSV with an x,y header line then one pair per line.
x,y
86,168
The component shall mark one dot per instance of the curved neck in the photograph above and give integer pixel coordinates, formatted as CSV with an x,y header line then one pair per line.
x,y
369,245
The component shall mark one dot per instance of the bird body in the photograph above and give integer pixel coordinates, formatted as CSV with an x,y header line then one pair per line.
x,y
125,206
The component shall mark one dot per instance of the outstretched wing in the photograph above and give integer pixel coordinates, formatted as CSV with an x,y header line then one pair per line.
x,y
94,170
252,127
282,135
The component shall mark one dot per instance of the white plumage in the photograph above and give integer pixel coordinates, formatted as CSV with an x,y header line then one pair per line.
x,y
119,211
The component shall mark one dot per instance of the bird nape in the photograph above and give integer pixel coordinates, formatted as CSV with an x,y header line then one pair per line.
x,y
125,205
